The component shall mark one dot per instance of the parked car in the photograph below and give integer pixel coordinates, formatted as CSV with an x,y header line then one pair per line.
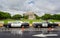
x,y
44,24
16,24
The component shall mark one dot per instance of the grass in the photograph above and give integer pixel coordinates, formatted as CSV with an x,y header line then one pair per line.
x,y
30,21
54,20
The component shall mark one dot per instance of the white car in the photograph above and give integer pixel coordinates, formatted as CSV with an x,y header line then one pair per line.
x,y
44,24
17,24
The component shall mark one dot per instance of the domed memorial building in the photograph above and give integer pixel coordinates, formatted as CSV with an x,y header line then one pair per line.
x,y
30,15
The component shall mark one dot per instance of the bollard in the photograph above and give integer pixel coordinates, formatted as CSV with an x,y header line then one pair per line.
x,y
30,25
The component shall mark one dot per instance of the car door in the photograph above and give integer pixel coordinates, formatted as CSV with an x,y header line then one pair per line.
x,y
44,24
16,24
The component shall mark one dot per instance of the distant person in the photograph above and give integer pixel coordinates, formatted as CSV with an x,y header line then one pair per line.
x,y
50,29
22,28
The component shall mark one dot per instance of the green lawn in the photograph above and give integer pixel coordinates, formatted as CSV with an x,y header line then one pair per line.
x,y
30,21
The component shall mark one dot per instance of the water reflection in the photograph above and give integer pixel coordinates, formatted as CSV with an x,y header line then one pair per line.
x,y
16,31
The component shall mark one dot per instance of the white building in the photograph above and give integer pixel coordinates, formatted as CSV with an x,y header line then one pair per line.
x,y
30,15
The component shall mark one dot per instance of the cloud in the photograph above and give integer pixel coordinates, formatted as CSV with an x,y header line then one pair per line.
x,y
40,7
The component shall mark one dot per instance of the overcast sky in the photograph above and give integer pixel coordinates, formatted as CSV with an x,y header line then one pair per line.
x,y
40,7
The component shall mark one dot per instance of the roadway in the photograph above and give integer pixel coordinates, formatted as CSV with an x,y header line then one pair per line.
x,y
27,33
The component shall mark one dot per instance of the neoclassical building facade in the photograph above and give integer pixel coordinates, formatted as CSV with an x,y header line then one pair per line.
x,y
30,15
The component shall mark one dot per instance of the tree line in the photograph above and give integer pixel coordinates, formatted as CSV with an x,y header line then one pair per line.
x,y
49,16
6,15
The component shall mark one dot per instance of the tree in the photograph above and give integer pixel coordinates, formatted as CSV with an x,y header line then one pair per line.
x,y
4,15
1,15
17,16
46,16
25,16
37,17
7,16
56,16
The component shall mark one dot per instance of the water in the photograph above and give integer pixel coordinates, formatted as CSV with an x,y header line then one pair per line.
x,y
25,34
16,31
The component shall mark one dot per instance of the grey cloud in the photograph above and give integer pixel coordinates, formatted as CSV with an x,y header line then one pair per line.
x,y
37,6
